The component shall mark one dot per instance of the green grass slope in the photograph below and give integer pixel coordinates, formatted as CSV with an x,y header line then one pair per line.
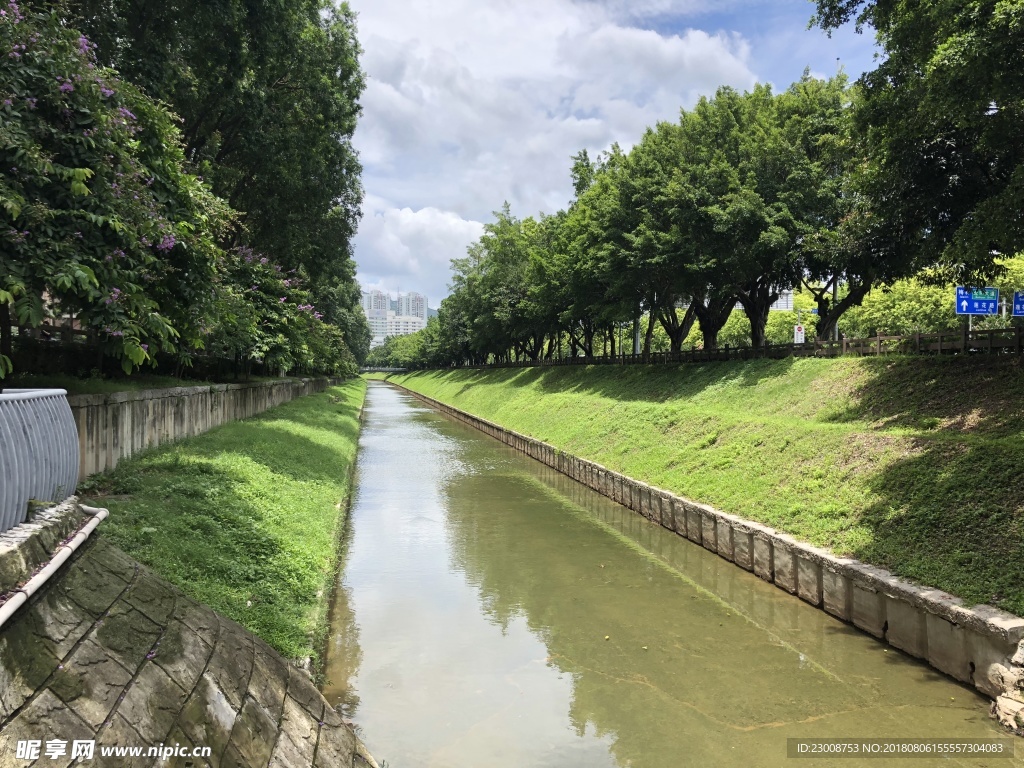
x,y
246,517
913,464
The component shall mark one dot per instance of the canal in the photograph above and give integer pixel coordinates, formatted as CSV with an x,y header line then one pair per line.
x,y
492,612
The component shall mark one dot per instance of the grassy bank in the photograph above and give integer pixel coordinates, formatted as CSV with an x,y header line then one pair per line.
x,y
912,464
246,517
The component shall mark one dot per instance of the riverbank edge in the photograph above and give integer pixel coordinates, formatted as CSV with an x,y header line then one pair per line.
x,y
321,632
981,646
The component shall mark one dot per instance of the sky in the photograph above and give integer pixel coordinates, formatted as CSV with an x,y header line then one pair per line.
x,y
471,103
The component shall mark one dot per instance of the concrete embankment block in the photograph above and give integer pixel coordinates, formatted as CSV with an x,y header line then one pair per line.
x,y
645,501
764,556
694,524
868,610
947,647
990,658
837,594
674,514
723,538
808,578
743,546
708,531
785,564
906,627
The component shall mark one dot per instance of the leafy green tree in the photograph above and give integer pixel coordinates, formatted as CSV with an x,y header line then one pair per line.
x,y
268,96
266,316
943,117
904,307
99,218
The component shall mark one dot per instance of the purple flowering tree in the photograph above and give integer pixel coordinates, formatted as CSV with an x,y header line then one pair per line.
x,y
98,218
265,316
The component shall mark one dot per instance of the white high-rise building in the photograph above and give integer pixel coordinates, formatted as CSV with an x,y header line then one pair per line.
x,y
412,305
376,300
388,317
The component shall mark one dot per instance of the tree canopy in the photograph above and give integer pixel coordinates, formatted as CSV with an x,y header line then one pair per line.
x,y
942,117
152,158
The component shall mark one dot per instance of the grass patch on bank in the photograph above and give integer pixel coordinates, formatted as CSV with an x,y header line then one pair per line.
x,y
245,518
914,464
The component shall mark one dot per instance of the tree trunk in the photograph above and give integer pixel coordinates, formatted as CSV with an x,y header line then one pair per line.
x,y
712,314
677,329
6,342
829,312
648,336
757,299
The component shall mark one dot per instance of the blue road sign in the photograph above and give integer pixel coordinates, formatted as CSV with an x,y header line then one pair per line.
x,y
1018,304
977,301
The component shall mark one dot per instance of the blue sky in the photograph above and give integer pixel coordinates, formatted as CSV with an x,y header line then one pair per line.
x,y
473,102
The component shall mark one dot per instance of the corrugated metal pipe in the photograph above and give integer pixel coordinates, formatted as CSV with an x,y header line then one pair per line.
x,y
38,451
30,587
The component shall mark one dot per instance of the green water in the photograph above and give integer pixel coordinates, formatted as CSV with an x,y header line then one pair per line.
x,y
492,612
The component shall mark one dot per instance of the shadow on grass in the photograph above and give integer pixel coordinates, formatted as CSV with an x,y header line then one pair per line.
x,y
974,394
650,383
951,516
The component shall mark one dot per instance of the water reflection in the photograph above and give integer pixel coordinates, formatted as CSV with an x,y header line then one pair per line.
x,y
343,649
510,617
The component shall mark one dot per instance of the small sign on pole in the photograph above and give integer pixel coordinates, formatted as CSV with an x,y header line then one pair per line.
x,y
977,301
798,334
1018,303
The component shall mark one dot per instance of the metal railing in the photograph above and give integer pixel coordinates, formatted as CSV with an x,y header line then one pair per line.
x,y
38,451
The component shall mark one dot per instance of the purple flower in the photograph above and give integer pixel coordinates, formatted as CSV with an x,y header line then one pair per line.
x,y
84,45
283,299
263,260
8,102
67,87
145,347
126,113
166,243
107,92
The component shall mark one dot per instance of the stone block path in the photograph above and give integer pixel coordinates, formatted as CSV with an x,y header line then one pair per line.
x,y
107,651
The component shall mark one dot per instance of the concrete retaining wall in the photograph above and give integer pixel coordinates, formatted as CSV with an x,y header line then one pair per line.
x,y
980,646
115,426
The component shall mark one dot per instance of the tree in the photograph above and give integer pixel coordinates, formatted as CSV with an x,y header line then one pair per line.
x,y
943,118
268,96
99,218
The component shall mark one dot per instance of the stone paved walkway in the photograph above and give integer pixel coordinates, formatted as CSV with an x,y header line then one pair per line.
x,y
108,651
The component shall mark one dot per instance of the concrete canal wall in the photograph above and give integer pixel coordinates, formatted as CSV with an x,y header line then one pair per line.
x,y
980,646
115,426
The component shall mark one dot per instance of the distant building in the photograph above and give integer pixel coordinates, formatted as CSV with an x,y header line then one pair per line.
x,y
394,317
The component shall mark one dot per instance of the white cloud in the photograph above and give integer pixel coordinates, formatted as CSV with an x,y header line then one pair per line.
x,y
412,249
470,103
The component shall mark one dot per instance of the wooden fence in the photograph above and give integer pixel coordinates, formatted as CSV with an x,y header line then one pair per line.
x,y
1003,341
